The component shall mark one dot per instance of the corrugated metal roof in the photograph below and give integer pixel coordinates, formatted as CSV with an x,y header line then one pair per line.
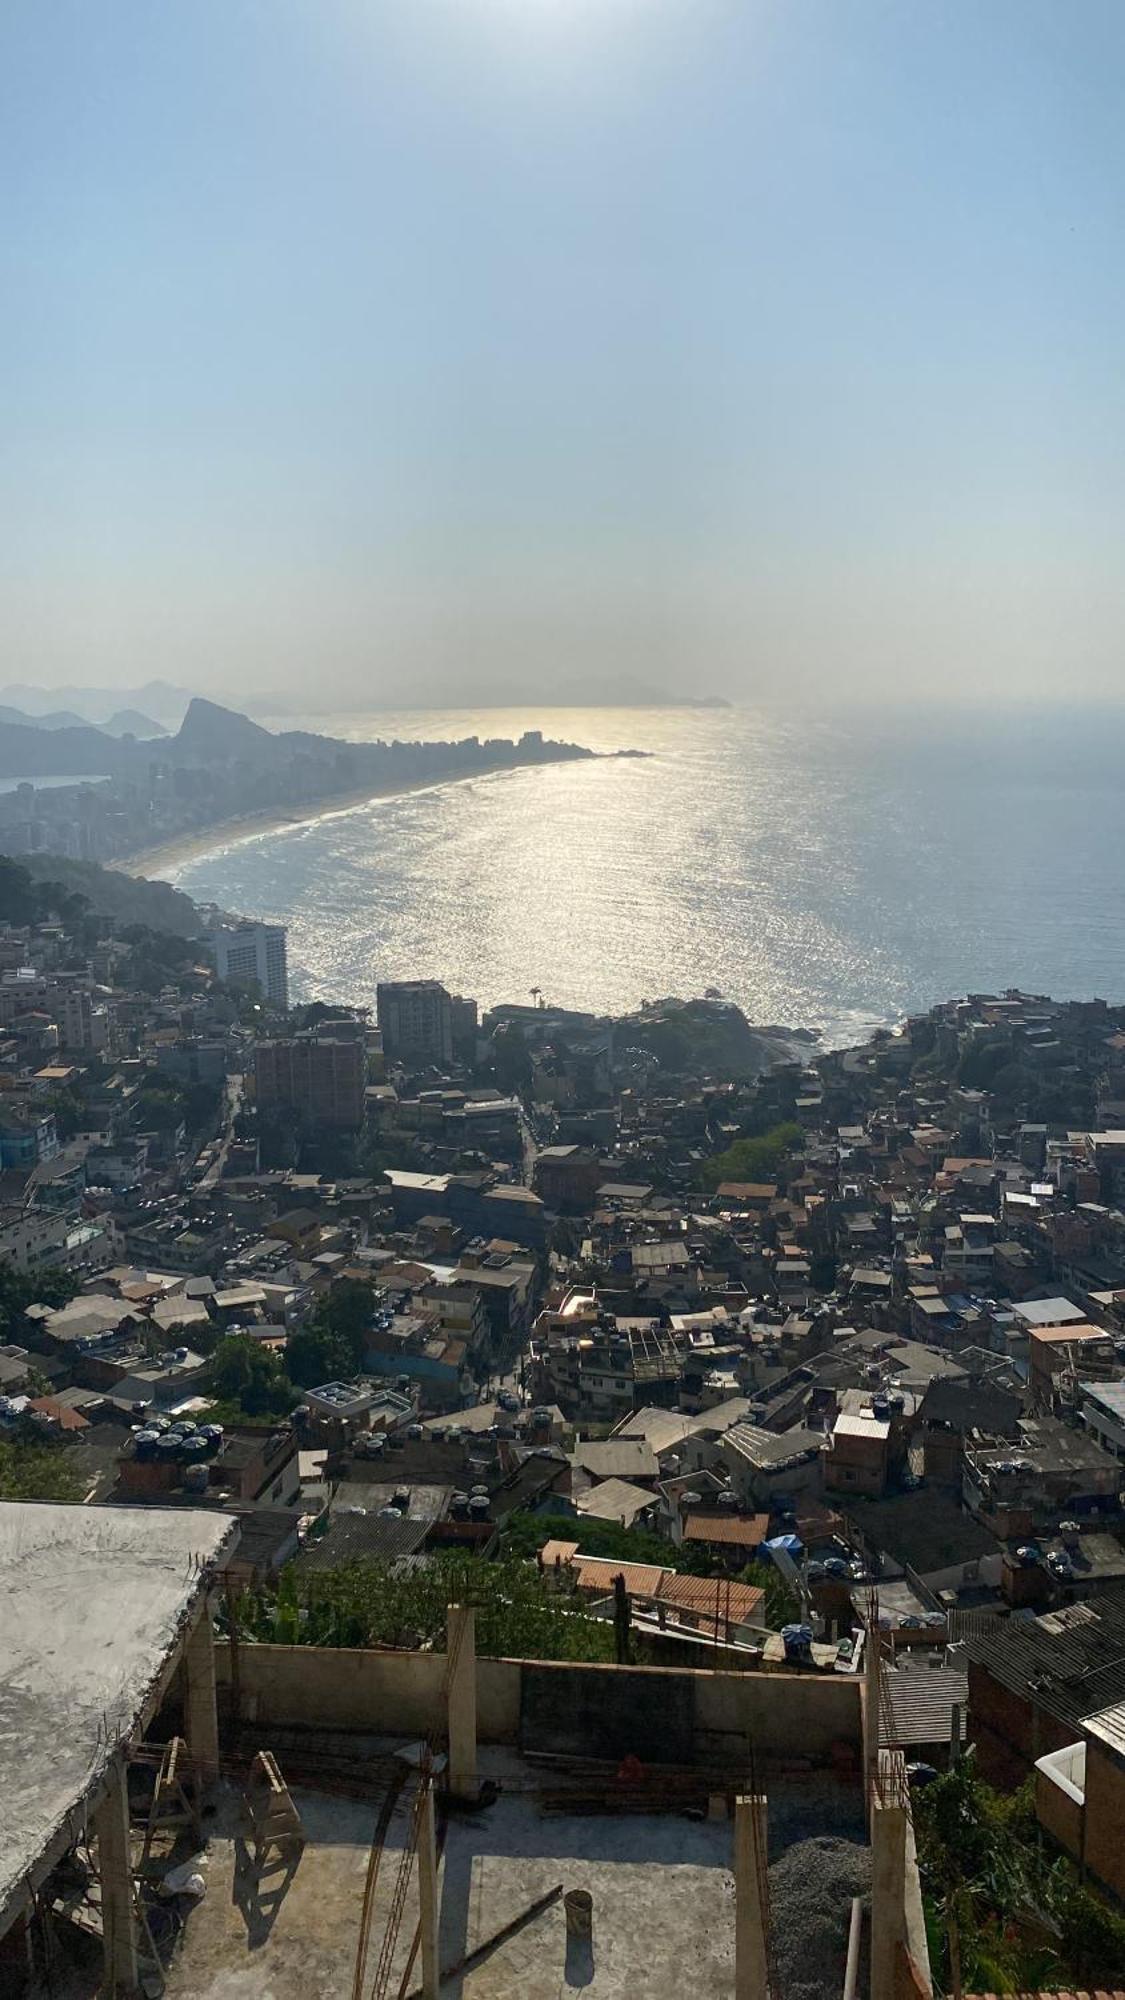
x,y
921,1705
1070,1666
741,1530
710,1597
599,1573
1109,1726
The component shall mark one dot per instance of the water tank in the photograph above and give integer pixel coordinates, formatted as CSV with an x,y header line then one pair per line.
x,y
168,1447
195,1478
182,1353
479,1507
145,1443
459,1506
480,1491
414,1432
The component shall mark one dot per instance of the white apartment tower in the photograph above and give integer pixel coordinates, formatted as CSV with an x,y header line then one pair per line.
x,y
253,955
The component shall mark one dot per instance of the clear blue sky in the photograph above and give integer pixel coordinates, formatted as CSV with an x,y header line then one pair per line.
x,y
393,347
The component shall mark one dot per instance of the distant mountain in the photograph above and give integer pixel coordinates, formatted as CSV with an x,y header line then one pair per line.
x,y
208,731
159,699
130,722
29,750
59,718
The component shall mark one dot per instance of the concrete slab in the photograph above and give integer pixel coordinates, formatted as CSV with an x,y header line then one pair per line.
x,y
662,1889
94,1599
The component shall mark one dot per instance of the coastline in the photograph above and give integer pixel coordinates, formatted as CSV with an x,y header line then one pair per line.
x,y
180,850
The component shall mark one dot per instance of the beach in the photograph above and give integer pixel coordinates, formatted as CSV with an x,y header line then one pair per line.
x,y
167,857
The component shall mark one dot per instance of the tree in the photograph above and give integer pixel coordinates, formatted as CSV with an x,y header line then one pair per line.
x,y
780,1607
316,1355
18,1290
348,1309
245,1372
158,1108
34,1471
333,1343
756,1159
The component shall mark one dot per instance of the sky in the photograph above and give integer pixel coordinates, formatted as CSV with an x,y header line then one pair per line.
x,y
375,351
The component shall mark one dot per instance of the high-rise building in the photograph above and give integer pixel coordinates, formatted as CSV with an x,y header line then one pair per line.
x,y
322,1077
253,955
416,1020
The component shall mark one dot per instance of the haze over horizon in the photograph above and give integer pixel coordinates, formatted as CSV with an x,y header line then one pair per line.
x,y
392,352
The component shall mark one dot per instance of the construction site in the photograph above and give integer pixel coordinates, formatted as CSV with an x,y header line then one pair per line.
x,y
261,1820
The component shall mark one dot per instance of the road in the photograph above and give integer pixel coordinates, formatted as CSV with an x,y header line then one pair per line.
x,y
232,1091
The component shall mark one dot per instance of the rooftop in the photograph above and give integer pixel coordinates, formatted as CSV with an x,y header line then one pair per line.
x,y
1070,1662
1048,1312
662,1888
95,1600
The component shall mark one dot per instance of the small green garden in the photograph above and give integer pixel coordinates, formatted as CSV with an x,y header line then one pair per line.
x,y
1005,1911
525,1534
519,1614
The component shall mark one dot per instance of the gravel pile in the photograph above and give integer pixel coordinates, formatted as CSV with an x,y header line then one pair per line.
x,y
811,1890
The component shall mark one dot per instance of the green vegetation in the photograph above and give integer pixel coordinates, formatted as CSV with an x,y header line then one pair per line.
x,y
751,1159
247,1377
708,1037
331,1346
1005,1913
41,885
17,1292
30,1470
524,1535
159,958
779,1606
368,1603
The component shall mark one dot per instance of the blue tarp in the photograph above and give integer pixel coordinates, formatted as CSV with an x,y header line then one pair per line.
x,y
792,1544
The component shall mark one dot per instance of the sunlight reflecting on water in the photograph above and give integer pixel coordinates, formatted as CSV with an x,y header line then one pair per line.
x,y
821,873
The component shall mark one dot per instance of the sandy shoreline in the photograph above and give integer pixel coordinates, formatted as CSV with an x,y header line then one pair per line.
x,y
169,856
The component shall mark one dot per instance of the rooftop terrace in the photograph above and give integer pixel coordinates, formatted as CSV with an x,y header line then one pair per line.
x,y
662,1889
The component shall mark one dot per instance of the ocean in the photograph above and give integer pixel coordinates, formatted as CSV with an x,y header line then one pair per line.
x,y
831,870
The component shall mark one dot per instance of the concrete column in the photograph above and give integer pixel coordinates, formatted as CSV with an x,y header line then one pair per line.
x,y
115,1866
201,1716
461,1642
888,1893
872,1668
751,1964
429,1905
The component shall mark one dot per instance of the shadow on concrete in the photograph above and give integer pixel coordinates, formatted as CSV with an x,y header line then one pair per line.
x,y
579,1963
259,1892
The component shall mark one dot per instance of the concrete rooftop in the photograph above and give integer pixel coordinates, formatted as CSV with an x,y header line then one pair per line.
x,y
662,1888
94,1600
